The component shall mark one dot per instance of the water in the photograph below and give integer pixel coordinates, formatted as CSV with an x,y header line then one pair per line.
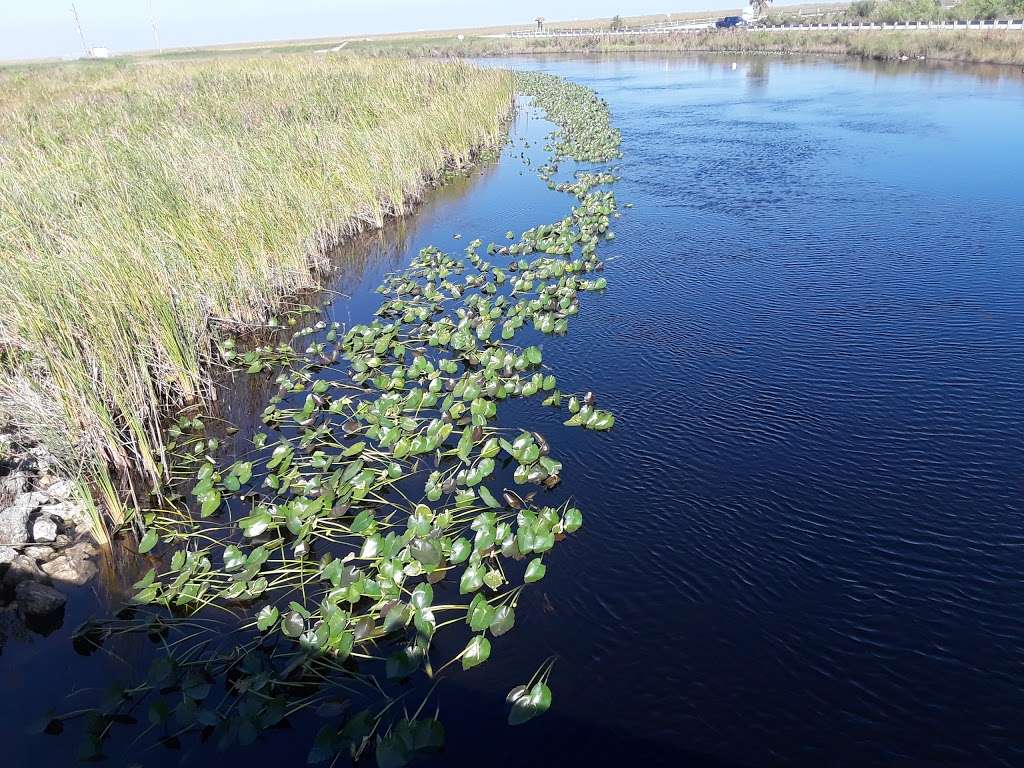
x,y
803,540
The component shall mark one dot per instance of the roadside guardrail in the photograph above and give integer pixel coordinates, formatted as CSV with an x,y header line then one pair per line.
x,y
700,24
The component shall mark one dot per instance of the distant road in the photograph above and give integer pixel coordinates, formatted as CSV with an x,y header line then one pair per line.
x,y
335,49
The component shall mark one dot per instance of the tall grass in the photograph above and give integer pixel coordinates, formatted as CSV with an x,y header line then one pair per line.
x,y
890,11
988,47
138,202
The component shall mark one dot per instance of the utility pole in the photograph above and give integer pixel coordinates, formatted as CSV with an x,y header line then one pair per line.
x,y
156,34
78,26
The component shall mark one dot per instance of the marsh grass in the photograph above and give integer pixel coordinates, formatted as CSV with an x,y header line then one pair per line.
x,y
995,47
141,204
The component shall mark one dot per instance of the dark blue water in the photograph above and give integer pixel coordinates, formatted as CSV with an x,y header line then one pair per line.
x,y
804,539
808,544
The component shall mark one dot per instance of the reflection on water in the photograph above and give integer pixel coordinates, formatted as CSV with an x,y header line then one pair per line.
x,y
803,542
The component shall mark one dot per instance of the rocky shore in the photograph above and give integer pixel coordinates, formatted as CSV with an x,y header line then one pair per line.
x,y
45,541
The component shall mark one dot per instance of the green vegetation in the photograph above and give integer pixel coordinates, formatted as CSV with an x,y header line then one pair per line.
x,y
890,11
369,513
141,203
989,47
938,45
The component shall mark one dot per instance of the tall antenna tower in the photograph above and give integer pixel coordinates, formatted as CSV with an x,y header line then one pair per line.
x,y
156,34
78,26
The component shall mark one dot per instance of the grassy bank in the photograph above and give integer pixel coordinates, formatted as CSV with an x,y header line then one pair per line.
x,y
138,203
1005,47
892,11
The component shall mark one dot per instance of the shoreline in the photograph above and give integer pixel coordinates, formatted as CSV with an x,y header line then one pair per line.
x,y
996,48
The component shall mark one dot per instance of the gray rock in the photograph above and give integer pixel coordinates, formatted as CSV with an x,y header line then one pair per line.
x,y
38,601
7,555
13,485
14,524
61,490
83,549
44,529
32,499
70,513
39,552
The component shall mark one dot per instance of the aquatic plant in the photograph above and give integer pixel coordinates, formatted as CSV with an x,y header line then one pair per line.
x,y
145,206
382,502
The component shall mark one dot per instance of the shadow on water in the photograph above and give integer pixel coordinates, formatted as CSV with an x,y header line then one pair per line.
x,y
557,739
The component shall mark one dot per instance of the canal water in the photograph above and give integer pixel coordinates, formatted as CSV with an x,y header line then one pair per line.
x,y
804,539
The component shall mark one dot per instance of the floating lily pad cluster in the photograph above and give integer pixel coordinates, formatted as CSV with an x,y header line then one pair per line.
x,y
382,502
585,126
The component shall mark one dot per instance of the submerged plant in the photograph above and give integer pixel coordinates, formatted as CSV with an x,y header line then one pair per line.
x,y
382,503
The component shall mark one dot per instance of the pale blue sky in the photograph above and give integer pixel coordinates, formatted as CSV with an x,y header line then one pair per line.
x,y
43,28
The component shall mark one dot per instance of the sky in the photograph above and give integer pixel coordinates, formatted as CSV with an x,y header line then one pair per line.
x,y
45,28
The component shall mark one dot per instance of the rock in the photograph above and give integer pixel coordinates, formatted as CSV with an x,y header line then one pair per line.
x,y
14,520
14,524
21,568
13,485
33,500
39,513
83,549
39,552
41,607
44,529
61,490
70,513
72,566
38,600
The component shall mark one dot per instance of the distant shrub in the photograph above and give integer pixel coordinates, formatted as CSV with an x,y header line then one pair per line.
x,y
862,9
779,18
987,9
908,10
891,11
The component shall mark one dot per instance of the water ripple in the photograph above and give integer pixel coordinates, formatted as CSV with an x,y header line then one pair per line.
x,y
805,534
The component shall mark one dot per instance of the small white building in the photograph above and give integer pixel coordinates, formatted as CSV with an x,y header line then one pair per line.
x,y
748,13
99,53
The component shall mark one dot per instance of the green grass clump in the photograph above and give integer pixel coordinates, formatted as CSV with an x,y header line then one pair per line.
x,y
138,201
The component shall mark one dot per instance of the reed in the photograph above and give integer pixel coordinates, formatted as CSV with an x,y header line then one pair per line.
x,y
139,203
989,47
